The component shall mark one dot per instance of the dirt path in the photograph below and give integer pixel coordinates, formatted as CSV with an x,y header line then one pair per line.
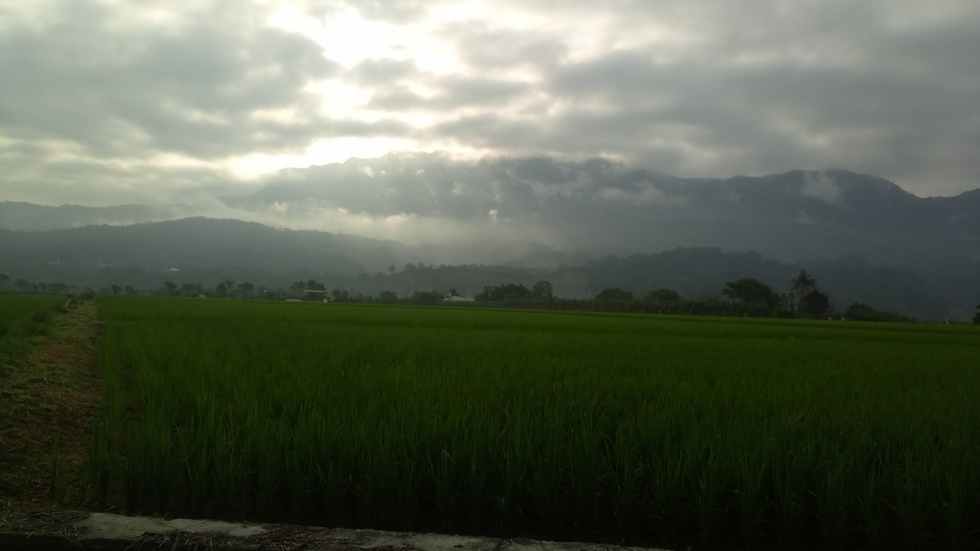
x,y
48,401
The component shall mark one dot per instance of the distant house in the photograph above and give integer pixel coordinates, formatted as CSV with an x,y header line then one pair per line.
x,y
459,299
314,295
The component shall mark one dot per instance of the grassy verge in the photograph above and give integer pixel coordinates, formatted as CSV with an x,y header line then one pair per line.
x,y
49,394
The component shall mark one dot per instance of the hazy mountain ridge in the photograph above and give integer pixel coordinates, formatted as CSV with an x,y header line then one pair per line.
x,y
17,215
198,243
206,251
532,213
515,205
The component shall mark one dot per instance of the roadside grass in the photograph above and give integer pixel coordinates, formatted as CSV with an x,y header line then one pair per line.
x,y
49,395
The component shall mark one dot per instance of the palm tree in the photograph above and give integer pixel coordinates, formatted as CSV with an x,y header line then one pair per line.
x,y
800,285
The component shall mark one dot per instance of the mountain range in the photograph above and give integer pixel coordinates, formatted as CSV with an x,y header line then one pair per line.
x,y
527,218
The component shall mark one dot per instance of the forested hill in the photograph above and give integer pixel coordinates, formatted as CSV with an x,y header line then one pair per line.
x,y
17,215
594,204
192,243
204,251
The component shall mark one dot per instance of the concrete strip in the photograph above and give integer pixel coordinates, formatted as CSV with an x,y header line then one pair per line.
x,y
105,527
120,527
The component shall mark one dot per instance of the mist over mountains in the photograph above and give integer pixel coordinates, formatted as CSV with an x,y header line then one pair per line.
x,y
423,198
533,214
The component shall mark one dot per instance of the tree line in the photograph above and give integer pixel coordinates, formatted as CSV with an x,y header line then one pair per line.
x,y
740,297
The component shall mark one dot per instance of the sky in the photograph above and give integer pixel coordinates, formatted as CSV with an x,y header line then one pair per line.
x,y
111,102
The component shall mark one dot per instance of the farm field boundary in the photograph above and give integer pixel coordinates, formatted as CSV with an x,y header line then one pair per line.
x,y
49,395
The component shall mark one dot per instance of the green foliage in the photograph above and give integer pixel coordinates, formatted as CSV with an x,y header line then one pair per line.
x,y
664,295
863,312
751,291
683,429
245,289
815,304
501,293
189,290
802,284
426,297
543,289
23,317
614,293
313,285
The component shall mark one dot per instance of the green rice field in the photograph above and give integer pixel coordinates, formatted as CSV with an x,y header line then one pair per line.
x,y
21,317
664,430
17,309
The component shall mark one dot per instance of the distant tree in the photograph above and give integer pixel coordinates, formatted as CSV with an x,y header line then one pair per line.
x,y
543,289
4,279
169,288
976,317
663,295
391,268
340,295
862,312
509,291
313,285
389,297
486,294
58,287
246,288
191,289
614,293
750,291
815,304
221,290
859,312
115,289
453,293
801,285
426,297
129,290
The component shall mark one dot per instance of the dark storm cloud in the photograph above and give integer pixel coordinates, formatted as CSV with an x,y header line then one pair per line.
x,y
193,89
692,88
752,87
491,48
436,185
492,131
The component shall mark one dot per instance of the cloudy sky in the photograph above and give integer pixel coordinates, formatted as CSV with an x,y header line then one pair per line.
x,y
108,102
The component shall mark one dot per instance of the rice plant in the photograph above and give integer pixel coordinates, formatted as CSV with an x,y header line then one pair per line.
x,y
747,432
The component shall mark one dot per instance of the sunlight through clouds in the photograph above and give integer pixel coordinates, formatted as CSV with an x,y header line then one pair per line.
x,y
694,88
